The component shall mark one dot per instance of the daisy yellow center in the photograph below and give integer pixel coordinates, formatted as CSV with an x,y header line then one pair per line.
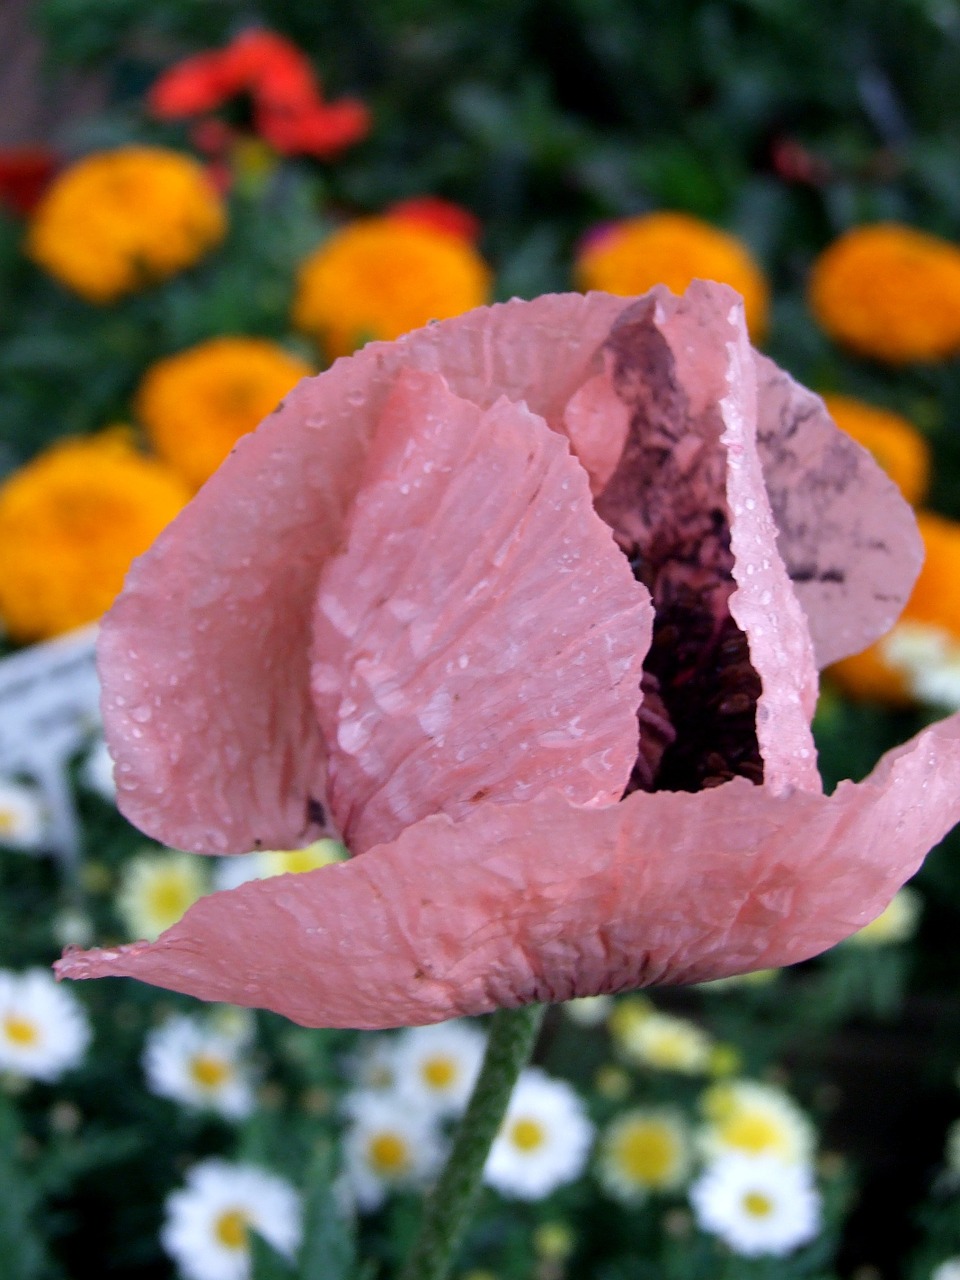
x,y
753,1133
169,897
647,1154
389,1154
20,1031
208,1071
8,822
527,1134
670,1049
439,1073
757,1205
232,1229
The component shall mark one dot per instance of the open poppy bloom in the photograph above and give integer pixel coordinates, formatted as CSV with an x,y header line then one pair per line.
x,y
527,605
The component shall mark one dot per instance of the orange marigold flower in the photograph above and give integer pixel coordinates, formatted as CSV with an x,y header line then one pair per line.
x,y
196,405
922,651
381,277
120,220
70,523
894,441
633,255
442,215
889,292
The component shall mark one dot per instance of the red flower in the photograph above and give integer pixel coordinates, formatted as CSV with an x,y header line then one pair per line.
x,y
439,214
289,110
417,602
25,173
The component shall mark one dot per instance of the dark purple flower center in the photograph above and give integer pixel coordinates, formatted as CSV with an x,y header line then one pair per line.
x,y
666,503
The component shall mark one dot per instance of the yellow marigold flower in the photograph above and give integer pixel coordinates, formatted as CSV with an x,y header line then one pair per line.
x,y
889,292
919,659
382,277
70,523
894,441
195,405
668,248
119,220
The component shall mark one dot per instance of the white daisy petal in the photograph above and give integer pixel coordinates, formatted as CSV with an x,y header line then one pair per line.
x,y
757,1204
207,1223
157,888
23,816
388,1146
544,1140
192,1062
749,1118
96,772
437,1066
44,1030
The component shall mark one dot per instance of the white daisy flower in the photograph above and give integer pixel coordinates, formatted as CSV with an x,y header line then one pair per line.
x,y
388,1146
23,816
436,1067
544,1140
239,868
665,1043
898,923
757,1204
644,1150
207,1223
949,1269
748,1118
588,1011
44,1030
96,772
192,1062
157,888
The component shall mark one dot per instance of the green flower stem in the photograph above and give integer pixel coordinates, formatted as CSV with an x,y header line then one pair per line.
x,y
449,1206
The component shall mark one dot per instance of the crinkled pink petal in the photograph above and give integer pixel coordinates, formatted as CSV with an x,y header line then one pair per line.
x,y
545,901
764,605
480,636
846,535
205,656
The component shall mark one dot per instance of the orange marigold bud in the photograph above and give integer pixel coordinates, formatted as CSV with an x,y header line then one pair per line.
x,y
894,441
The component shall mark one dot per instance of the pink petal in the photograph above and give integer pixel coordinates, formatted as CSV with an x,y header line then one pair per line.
x,y
205,657
764,605
481,635
544,901
846,535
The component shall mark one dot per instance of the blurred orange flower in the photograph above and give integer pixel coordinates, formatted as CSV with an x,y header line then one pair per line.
x,y
196,405
70,523
889,292
289,109
381,277
119,220
894,441
631,256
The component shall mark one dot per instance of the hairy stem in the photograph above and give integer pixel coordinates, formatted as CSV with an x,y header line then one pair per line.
x,y
449,1206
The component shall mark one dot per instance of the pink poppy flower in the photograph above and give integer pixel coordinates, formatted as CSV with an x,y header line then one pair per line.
x,y
526,605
